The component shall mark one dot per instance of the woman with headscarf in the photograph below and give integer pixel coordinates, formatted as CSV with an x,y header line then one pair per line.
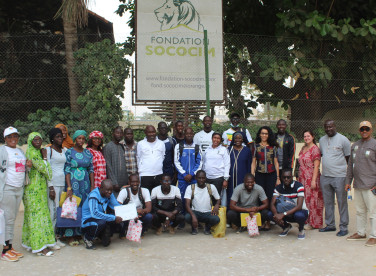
x,y
56,158
79,176
67,141
94,145
37,232
241,161
13,165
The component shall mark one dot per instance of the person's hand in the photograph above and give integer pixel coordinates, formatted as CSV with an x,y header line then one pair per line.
x,y
348,187
116,188
29,164
70,193
44,153
52,194
170,215
278,181
313,184
118,220
225,184
188,178
251,214
279,218
252,209
215,210
194,222
140,212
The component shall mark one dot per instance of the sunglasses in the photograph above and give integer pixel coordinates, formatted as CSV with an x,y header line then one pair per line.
x,y
362,129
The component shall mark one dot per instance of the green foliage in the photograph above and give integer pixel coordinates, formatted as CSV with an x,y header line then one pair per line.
x,y
42,121
102,69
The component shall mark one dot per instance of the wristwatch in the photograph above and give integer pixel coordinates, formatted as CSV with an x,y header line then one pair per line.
x,y
285,213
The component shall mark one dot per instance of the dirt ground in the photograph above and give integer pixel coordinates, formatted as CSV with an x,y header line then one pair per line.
x,y
184,254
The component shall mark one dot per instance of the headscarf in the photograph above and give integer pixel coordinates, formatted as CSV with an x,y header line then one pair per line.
x,y
96,133
234,135
78,133
32,153
53,132
67,142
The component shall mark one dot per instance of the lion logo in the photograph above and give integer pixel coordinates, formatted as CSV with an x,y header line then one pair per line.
x,y
178,12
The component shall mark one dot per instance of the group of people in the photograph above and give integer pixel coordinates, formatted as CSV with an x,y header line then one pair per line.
x,y
183,179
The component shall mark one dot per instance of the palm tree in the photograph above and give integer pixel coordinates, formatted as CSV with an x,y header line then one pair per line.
x,y
74,14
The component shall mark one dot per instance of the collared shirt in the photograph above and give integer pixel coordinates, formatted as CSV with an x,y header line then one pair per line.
x,y
150,157
130,155
216,162
295,190
246,199
265,158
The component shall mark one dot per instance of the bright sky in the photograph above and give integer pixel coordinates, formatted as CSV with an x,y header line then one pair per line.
x,y
106,9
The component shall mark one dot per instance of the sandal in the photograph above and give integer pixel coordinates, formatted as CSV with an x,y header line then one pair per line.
x,y
48,254
74,243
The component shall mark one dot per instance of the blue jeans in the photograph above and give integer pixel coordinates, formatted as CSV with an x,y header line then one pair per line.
x,y
299,217
207,218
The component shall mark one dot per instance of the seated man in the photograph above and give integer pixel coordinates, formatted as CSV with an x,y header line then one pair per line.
x,y
292,190
95,221
245,199
200,195
139,197
167,205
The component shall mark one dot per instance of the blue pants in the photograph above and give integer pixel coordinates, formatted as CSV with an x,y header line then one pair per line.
x,y
299,216
207,218
93,227
146,223
182,185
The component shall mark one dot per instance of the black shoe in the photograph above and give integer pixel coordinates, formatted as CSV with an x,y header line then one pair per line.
x,y
194,231
207,230
200,226
181,226
106,237
327,229
342,233
89,244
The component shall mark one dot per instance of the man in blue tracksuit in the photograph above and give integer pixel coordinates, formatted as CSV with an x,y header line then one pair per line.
x,y
187,161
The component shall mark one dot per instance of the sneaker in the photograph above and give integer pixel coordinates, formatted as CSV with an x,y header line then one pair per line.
x,y
207,230
89,244
106,237
9,257
371,242
301,235
356,237
194,231
159,231
60,243
14,252
342,233
286,230
228,225
171,230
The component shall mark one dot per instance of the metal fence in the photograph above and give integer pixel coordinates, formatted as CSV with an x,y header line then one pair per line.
x,y
302,81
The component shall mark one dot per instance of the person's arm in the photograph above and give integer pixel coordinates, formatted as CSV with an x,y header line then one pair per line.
x,y
67,172
217,197
239,209
276,165
188,209
198,162
147,208
347,149
91,172
349,172
95,213
291,152
146,195
43,166
316,167
253,166
227,165
177,163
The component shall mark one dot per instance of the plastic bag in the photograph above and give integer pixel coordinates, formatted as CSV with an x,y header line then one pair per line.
x,y
219,230
134,231
69,209
63,197
252,226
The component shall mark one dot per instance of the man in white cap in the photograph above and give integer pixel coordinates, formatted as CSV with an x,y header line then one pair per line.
x,y
362,169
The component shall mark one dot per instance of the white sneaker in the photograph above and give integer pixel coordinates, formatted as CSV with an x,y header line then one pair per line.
x,y
60,243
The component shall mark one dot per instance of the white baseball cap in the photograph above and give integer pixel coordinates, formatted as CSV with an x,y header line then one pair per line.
x,y
10,130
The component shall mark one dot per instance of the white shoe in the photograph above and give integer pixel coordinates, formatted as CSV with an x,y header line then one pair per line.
x,y
228,225
55,247
60,243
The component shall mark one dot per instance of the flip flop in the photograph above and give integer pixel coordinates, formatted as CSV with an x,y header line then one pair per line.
x,y
48,254
74,243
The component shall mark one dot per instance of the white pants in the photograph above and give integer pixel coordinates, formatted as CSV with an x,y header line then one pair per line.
x,y
365,201
54,204
10,204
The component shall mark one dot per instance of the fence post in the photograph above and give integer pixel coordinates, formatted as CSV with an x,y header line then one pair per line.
x,y
207,73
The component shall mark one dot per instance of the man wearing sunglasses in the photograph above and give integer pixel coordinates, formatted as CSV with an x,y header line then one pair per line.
x,y
335,151
362,169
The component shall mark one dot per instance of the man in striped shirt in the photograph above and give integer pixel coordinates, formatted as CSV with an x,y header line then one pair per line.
x,y
296,212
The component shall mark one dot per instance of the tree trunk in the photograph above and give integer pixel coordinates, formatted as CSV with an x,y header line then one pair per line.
x,y
71,45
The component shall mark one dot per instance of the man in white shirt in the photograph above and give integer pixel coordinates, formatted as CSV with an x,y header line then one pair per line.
x,y
150,156
139,197
200,195
227,135
204,137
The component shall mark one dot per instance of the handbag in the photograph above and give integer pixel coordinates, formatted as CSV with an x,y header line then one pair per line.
x,y
134,231
66,222
284,204
219,230
63,197
252,227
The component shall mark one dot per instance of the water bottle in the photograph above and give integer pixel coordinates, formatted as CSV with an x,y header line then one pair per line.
x,y
349,196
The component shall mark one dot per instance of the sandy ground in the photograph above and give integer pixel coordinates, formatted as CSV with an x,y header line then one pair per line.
x,y
184,254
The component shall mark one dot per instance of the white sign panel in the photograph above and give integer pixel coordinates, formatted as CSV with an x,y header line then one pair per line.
x,y
170,59
126,212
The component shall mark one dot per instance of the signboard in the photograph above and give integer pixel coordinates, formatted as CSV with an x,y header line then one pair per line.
x,y
170,57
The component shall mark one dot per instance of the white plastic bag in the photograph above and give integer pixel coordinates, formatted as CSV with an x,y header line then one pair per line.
x,y
134,231
252,226
69,209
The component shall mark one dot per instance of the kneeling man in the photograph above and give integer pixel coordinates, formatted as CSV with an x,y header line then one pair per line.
x,y
95,221
167,205
200,195
289,193
245,199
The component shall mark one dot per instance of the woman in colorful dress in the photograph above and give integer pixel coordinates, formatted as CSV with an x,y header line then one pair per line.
x,y
94,145
37,232
241,161
79,177
67,141
265,165
309,176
